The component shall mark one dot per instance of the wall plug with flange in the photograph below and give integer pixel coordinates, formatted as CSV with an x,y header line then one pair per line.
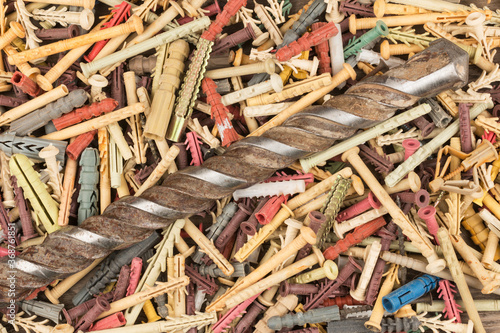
x,y
275,8
476,21
31,39
206,136
398,137
486,79
29,324
421,225
255,54
483,174
244,15
447,326
143,10
460,96
495,15
409,37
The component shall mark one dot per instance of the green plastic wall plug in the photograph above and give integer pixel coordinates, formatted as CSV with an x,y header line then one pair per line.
x,y
356,44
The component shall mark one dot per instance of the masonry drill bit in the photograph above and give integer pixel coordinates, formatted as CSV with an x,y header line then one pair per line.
x,y
440,67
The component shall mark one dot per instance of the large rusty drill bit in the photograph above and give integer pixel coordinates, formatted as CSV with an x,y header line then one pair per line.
x,y
132,219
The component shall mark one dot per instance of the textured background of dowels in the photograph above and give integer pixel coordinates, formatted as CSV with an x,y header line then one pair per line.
x,y
491,320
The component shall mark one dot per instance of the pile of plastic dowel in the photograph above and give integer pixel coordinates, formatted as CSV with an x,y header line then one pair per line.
x,y
392,227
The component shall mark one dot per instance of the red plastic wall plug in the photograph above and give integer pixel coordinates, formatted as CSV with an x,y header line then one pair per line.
x,y
354,238
266,214
230,9
5,252
425,126
490,136
316,221
421,198
446,292
11,101
340,301
24,214
5,222
280,177
84,113
205,283
73,314
233,39
248,319
371,201
307,41
351,7
227,318
322,51
90,316
193,142
287,288
231,228
135,275
387,235
410,146
381,163
122,283
75,148
70,31
428,214
26,84
249,227
465,132
219,111
121,13
318,299
113,321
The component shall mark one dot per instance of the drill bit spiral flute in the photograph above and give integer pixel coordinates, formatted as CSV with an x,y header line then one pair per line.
x,y
132,219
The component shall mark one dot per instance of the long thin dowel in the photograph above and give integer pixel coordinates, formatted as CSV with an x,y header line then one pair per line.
x,y
391,123
459,278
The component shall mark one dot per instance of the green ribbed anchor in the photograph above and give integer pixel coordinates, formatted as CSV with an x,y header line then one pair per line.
x,y
356,44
